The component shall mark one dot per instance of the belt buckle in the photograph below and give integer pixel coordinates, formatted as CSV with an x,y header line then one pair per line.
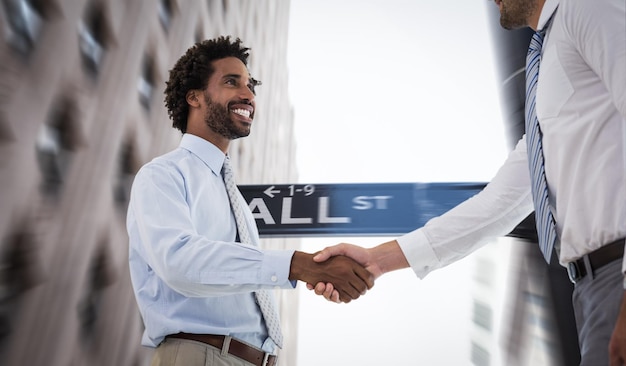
x,y
266,358
573,272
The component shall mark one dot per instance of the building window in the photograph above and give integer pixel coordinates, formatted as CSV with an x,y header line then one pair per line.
x,y
89,308
92,39
17,265
18,273
24,21
165,14
125,175
480,356
482,316
535,299
55,146
146,83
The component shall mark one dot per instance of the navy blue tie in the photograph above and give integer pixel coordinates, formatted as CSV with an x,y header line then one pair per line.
x,y
546,226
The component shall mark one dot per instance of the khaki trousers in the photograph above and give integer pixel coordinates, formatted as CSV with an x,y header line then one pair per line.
x,y
183,352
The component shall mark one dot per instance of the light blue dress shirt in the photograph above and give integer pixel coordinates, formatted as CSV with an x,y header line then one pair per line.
x,y
188,273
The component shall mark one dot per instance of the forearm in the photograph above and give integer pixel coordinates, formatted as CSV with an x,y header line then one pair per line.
x,y
234,269
196,266
388,257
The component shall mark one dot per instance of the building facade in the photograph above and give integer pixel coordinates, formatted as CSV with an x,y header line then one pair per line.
x,y
81,109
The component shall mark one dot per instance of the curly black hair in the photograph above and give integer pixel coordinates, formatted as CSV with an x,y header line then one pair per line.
x,y
193,70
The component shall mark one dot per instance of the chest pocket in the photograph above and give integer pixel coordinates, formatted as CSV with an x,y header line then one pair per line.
x,y
554,88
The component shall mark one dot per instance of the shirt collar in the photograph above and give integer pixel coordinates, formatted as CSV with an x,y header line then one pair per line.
x,y
549,7
205,151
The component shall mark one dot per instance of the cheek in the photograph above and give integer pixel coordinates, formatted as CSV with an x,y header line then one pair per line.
x,y
223,101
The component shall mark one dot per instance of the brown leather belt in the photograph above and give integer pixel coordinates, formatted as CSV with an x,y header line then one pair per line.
x,y
578,269
236,348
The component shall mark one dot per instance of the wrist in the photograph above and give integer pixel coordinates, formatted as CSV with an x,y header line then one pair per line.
x,y
296,269
389,257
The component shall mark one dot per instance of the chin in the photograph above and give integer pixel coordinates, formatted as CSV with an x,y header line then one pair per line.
x,y
239,134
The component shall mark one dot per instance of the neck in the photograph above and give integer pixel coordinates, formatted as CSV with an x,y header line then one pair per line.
x,y
216,139
533,20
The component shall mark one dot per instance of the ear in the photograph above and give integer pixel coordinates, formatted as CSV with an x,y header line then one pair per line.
x,y
193,97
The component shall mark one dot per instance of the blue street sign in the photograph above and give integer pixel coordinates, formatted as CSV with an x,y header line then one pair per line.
x,y
299,210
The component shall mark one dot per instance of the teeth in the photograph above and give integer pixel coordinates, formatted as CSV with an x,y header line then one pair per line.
x,y
241,112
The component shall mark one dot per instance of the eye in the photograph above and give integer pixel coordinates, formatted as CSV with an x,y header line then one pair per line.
x,y
231,81
251,86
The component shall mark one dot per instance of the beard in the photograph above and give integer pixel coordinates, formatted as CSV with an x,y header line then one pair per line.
x,y
218,120
515,13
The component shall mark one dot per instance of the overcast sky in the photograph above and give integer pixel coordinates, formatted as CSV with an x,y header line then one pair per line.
x,y
393,91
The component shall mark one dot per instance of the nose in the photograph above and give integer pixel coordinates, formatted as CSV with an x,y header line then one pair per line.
x,y
246,94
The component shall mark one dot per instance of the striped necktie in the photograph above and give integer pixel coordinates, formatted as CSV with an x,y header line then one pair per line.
x,y
546,226
263,297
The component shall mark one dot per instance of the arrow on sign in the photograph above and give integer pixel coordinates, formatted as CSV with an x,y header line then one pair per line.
x,y
270,191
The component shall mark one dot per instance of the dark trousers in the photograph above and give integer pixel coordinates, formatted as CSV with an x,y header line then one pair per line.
x,y
597,299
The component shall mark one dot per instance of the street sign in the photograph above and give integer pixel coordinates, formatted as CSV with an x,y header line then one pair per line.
x,y
387,209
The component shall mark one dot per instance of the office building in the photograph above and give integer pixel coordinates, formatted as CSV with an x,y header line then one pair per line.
x,y
81,109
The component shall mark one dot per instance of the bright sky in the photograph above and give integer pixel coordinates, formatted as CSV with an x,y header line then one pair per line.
x,y
393,91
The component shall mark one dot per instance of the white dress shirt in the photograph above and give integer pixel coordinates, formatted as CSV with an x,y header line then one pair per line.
x,y
188,273
581,106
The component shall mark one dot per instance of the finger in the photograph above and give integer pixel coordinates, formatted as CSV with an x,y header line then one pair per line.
x,y
348,291
309,286
359,287
344,298
320,288
335,297
361,280
328,292
365,276
328,252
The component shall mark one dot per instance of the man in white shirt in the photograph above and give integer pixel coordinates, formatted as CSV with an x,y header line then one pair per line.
x,y
581,108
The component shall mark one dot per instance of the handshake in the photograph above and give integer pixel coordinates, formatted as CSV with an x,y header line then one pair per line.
x,y
344,272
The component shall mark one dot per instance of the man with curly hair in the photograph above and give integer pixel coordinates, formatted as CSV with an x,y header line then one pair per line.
x,y
200,278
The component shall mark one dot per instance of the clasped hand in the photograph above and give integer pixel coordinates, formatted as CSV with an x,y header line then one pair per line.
x,y
349,279
377,261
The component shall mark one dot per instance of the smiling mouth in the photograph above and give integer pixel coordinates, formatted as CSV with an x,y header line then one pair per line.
x,y
242,112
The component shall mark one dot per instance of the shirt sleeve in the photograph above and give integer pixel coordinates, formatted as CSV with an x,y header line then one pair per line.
x,y
162,233
493,212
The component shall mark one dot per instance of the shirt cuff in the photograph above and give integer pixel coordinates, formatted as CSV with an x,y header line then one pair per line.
x,y
275,269
418,253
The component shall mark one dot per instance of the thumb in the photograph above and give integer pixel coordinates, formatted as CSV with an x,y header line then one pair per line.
x,y
328,252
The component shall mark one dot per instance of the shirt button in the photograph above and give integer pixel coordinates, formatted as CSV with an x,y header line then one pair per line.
x,y
274,278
